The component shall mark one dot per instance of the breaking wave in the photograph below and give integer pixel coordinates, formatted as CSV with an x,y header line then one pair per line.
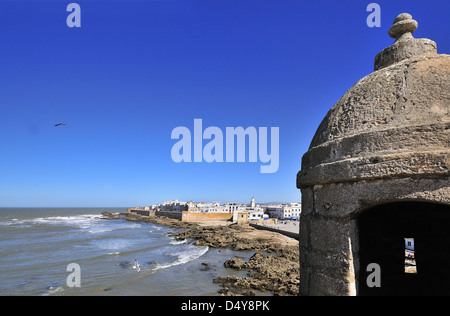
x,y
184,256
178,242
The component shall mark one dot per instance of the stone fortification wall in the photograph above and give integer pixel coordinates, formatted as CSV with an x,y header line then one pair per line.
x,y
204,217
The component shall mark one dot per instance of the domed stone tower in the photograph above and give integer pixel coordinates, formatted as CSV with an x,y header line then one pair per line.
x,y
377,172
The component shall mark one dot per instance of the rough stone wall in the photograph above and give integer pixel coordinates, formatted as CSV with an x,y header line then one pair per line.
x,y
203,217
143,212
169,214
386,140
328,233
404,108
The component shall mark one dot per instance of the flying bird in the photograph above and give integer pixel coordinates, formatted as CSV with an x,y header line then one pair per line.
x,y
61,124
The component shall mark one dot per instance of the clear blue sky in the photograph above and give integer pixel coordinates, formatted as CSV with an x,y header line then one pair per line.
x,y
135,70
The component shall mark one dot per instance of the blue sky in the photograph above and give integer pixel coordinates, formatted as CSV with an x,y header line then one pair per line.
x,y
136,70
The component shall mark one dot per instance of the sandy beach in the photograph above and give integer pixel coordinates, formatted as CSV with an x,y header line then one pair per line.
x,y
273,269
289,226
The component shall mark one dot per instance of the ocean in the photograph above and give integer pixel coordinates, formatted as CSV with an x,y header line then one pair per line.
x,y
37,245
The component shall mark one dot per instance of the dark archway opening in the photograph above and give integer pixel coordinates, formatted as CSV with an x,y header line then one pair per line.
x,y
382,231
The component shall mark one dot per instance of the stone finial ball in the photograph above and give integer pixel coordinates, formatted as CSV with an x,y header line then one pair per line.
x,y
403,24
402,17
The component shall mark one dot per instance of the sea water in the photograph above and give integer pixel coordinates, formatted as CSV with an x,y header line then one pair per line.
x,y
38,244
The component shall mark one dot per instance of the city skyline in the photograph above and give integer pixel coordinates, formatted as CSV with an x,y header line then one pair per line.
x,y
134,71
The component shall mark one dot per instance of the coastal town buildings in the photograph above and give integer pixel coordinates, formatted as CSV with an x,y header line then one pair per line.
x,y
285,211
254,211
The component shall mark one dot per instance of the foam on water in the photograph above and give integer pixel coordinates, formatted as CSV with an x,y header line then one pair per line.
x,y
53,290
36,246
79,221
184,256
178,242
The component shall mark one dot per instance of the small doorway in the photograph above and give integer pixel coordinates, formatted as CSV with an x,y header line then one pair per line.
x,y
387,231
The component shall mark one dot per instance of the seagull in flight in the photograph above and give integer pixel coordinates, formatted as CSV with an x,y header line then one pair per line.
x,y
61,124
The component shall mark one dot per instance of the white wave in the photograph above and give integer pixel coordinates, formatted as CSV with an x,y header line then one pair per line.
x,y
184,257
53,290
154,229
80,221
17,222
178,242
10,222
88,223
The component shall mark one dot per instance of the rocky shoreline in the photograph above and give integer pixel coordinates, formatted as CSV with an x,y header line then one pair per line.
x,y
273,269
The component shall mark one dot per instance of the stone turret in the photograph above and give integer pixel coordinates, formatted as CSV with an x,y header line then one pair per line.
x,y
376,172
405,46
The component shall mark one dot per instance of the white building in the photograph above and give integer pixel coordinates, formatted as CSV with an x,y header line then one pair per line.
x,y
256,215
173,205
233,207
214,207
285,211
